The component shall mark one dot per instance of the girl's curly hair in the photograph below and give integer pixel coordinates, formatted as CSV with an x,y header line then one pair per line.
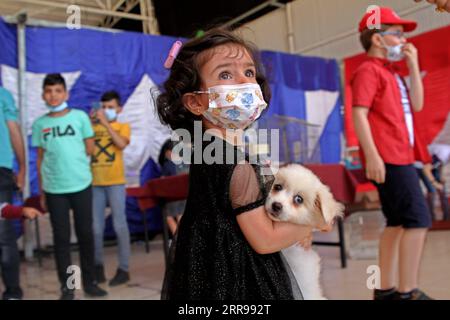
x,y
185,77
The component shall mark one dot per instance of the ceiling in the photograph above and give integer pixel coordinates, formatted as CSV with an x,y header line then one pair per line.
x,y
181,18
184,18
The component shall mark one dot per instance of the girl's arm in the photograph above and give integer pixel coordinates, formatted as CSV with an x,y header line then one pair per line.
x,y
263,234
267,236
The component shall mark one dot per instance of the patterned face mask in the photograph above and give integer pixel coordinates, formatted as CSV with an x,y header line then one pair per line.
x,y
234,106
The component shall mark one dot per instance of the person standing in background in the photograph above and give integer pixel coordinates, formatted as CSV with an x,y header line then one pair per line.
x,y
108,169
11,142
382,115
64,139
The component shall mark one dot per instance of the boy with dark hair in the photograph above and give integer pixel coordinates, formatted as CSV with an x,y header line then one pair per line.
x,y
111,138
109,96
382,115
64,141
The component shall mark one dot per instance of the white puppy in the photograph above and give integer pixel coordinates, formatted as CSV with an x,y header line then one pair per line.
x,y
298,196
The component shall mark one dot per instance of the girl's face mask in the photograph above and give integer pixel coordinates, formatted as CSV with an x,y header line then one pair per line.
x,y
234,106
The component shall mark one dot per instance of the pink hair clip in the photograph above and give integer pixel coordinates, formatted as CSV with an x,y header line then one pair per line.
x,y
173,54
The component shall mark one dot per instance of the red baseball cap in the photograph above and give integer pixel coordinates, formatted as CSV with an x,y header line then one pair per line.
x,y
387,16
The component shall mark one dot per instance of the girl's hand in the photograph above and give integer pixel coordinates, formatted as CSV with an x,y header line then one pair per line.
x,y
306,237
327,228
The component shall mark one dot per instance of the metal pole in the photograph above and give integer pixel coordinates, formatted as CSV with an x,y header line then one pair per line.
x,y
290,28
21,21
145,24
59,5
22,104
253,11
51,24
154,26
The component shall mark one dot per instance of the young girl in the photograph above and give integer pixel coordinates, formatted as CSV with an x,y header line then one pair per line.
x,y
226,246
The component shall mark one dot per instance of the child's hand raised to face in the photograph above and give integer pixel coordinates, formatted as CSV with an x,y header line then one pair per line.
x,y
101,117
411,54
93,116
30,213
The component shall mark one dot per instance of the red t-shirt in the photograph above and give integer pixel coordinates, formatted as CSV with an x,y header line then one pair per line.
x,y
374,86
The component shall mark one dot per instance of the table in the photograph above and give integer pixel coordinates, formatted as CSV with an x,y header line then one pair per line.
x,y
166,189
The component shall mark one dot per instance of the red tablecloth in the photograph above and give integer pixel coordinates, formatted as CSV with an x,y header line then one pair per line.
x,y
343,183
166,188
34,202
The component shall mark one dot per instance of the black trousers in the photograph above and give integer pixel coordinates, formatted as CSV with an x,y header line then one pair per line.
x,y
9,252
59,206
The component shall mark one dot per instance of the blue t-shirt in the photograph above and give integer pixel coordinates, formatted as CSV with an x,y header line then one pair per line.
x,y
65,166
8,112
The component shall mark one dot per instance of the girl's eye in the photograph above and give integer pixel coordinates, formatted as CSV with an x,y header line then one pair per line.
x,y
250,73
298,199
225,75
278,187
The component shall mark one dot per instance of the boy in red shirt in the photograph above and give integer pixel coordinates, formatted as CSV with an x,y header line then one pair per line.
x,y
382,115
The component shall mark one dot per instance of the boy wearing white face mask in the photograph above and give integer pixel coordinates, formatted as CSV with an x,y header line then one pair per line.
x,y
64,139
108,170
382,115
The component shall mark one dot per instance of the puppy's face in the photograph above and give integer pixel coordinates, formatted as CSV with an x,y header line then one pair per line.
x,y
298,196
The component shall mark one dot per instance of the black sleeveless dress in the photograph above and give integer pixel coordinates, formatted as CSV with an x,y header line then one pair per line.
x,y
210,257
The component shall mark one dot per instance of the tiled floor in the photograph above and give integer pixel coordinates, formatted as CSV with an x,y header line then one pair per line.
x,y
351,283
147,273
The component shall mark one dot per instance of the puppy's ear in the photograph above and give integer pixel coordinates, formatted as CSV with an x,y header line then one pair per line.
x,y
326,205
